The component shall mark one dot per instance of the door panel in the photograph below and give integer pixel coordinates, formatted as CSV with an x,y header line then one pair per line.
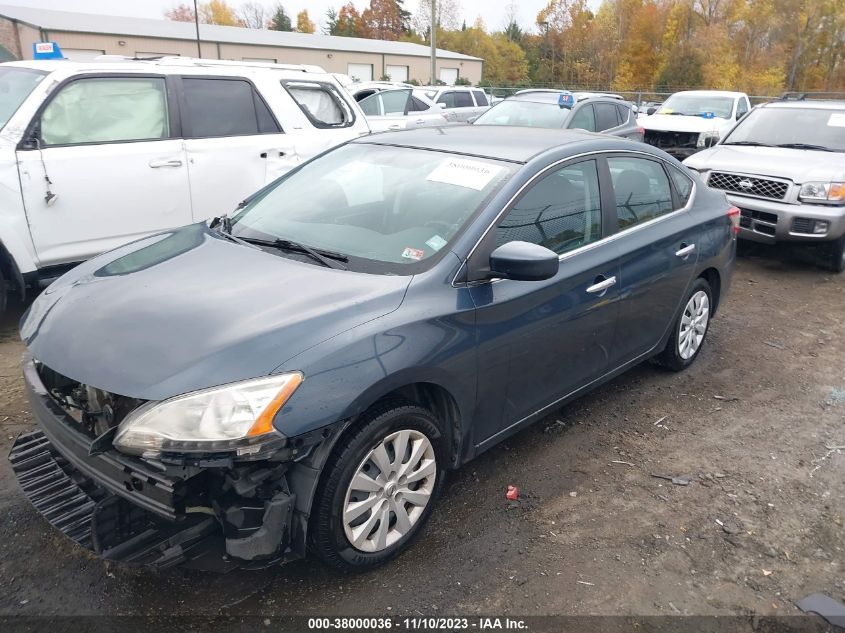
x,y
540,341
107,172
105,196
658,254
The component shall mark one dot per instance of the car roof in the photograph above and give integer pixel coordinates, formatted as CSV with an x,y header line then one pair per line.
x,y
804,104
545,95
499,142
166,64
710,93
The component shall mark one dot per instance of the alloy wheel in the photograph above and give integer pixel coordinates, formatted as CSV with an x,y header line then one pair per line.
x,y
389,491
693,324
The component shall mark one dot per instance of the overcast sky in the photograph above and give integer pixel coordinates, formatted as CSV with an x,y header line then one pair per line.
x,y
491,11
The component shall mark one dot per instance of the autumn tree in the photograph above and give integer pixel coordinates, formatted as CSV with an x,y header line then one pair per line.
x,y
280,20
304,23
385,19
180,13
347,22
253,15
218,12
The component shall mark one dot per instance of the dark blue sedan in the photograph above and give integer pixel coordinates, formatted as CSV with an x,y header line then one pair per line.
x,y
301,375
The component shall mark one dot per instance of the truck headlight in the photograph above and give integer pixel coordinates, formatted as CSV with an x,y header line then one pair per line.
x,y
823,191
707,139
232,418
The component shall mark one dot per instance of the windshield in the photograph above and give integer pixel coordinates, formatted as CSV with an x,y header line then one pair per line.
x,y
698,105
376,204
15,86
527,113
786,126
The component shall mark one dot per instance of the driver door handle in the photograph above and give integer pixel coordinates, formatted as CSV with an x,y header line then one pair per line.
x,y
165,162
685,250
601,285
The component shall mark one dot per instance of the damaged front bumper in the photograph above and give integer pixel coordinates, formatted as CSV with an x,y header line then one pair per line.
x,y
209,514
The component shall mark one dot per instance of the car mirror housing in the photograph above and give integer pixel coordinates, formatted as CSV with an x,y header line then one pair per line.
x,y
651,110
523,261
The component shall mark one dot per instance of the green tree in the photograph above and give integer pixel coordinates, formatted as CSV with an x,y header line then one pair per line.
x,y
280,20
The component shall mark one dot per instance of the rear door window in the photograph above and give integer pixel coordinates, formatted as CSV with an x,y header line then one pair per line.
x,y
641,188
480,98
224,107
463,99
107,110
321,103
583,118
624,112
682,182
606,116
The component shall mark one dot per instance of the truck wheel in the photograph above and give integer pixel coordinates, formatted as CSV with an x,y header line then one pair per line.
x,y
378,488
690,328
4,293
837,255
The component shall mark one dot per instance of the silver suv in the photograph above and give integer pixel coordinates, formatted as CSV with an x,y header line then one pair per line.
x,y
783,165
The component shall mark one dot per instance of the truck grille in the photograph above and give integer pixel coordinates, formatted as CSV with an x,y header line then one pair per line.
x,y
746,185
666,140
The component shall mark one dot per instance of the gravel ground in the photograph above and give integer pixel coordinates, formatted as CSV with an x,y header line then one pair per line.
x,y
753,522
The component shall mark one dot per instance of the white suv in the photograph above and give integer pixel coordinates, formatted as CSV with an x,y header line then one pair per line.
x,y
459,103
96,154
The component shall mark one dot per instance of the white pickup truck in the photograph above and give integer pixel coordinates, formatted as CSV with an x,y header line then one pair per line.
x,y
97,154
690,121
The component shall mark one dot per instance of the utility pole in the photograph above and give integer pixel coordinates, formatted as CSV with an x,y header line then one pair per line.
x,y
197,24
433,29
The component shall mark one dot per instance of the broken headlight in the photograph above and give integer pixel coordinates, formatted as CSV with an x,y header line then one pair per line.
x,y
707,139
234,418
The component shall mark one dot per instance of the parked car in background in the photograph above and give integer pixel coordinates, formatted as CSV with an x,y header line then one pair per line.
x,y
460,103
315,364
783,165
101,153
363,89
400,109
543,108
690,121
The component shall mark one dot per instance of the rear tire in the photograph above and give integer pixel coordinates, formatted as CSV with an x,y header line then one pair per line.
x,y
398,495
837,255
690,328
4,293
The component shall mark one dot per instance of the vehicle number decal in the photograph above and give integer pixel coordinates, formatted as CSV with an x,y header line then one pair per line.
x,y
836,120
413,253
435,243
471,174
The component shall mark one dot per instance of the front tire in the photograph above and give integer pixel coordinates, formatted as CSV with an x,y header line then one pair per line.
x,y
837,255
4,294
690,328
378,488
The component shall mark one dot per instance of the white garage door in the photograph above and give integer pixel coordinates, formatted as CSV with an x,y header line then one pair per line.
x,y
449,76
360,72
81,54
397,73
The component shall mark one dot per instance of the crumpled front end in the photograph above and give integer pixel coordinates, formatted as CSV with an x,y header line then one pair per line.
x,y
205,511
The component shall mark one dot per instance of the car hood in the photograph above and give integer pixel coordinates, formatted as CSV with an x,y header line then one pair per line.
x,y
798,165
190,309
681,123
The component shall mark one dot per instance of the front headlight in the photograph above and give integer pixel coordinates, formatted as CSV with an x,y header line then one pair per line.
x,y
708,139
824,191
232,418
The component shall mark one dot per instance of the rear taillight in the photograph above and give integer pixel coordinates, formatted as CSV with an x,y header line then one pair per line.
x,y
641,130
733,216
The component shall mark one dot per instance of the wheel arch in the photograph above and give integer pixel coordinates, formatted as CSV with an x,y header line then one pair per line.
x,y
712,276
11,272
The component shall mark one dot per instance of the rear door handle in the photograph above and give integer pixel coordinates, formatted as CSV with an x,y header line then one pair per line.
x,y
165,162
685,250
601,285
420,121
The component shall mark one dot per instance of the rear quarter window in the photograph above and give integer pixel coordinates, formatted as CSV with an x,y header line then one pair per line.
x,y
321,103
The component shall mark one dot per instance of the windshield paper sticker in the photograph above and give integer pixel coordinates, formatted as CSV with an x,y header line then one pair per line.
x,y
435,243
471,174
836,120
413,253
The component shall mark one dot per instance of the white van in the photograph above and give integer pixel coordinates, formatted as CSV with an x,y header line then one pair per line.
x,y
97,154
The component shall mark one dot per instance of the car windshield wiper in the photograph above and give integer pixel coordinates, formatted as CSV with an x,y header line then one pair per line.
x,y
820,148
747,143
329,259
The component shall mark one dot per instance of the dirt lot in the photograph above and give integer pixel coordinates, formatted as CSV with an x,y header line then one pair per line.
x,y
758,526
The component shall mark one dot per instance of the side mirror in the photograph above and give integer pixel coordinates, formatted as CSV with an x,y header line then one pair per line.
x,y
651,110
523,261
